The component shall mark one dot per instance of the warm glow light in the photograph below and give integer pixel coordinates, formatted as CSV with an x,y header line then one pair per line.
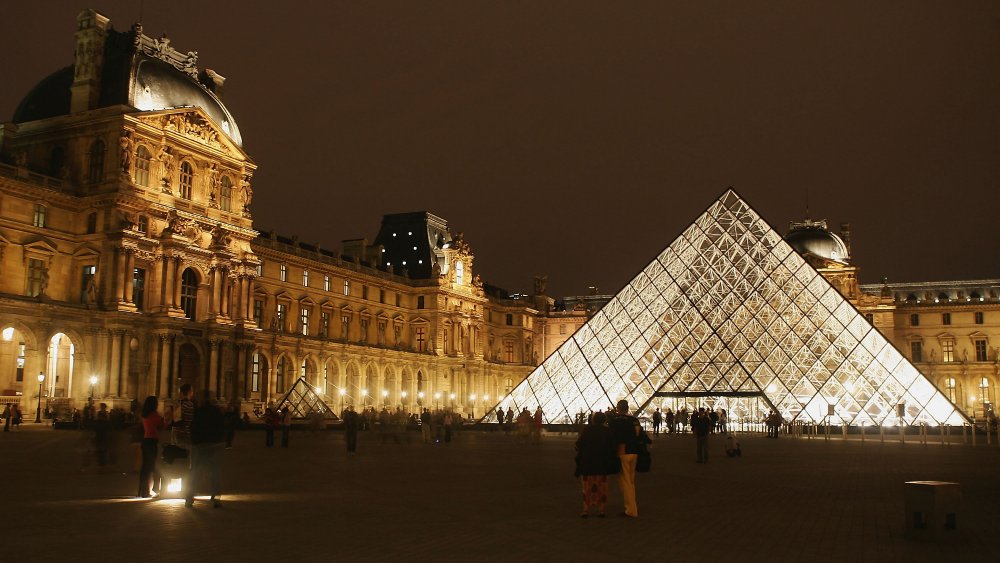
x,y
771,388
343,392
41,377
93,380
385,393
472,397
486,397
849,386
364,392
174,486
318,390
971,399
452,395
8,333
420,394
437,395
403,394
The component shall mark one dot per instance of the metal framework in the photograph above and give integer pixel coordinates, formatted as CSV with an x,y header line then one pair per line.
x,y
303,402
729,308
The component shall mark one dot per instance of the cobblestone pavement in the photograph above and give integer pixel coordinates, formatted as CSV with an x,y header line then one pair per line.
x,y
485,497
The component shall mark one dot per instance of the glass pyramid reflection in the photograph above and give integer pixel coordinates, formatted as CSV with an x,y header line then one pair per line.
x,y
730,308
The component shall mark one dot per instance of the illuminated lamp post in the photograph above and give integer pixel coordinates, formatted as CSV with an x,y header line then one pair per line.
x,y
437,400
93,382
452,397
342,393
364,398
420,398
38,410
385,398
403,400
472,405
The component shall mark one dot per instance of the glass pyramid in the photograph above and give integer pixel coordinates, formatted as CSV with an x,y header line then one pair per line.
x,y
730,308
303,402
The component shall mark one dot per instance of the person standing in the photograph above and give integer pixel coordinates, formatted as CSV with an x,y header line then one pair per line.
x,y
270,423
596,458
723,421
425,426
207,435
448,421
500,416
286,426
182,428
657,421
670,421
6,417
701,426
626,430
351,424
536,425
152,423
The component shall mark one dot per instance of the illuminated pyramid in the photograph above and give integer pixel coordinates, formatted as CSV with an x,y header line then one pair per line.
x,y
730,308
304,402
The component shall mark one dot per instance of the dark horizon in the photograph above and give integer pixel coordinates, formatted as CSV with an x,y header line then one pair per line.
x,y
578,140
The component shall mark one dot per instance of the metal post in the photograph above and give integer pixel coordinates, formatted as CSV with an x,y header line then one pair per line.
x,y
943,426
862,432
881,433
902,438
973,431
38,410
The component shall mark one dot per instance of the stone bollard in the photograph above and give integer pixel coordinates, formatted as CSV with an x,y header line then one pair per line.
x,y
931,510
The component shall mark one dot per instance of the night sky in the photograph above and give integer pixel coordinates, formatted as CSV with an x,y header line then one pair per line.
x,y
577,139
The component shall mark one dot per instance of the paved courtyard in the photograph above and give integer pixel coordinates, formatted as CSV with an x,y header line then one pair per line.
x,y
485,497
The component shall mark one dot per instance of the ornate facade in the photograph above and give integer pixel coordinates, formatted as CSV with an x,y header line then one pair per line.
x,y
131,263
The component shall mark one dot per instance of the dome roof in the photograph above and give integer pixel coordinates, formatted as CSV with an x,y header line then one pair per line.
x,y
140,72
813,237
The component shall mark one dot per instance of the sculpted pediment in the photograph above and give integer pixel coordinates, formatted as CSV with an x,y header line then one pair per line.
x,y
192,124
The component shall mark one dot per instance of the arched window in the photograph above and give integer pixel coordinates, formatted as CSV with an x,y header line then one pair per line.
x,y
189,293
95,172
186,180
142,158
459,272
57,158
226,194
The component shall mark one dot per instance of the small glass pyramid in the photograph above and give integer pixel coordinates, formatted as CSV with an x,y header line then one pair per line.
x,y
730,308
303,402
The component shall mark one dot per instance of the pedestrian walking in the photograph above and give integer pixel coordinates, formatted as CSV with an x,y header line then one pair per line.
x,y
596,458
627,432
286,426
207,437
351,423
152,424
701,426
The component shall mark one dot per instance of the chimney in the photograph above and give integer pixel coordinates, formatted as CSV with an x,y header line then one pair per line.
x,y
91,33
845,233
213,81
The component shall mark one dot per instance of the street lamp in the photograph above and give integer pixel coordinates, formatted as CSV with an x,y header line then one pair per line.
x,y
420,398
38,411
437,400
93,382
385,397
342,393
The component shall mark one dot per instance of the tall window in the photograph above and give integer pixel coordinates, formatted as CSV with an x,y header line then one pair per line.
x,y
381,296
305,277
86,278
397,299
138,287
260,268
948,351
459,272
324,324
19,374
420,302
283,273
984,391
421,339
916,351
326,283
280,315
143,224
981,353
279,383
345,326
95,172
304,320
226,194
189,293
510,319
186,180
142,159
508,350
38,217
952,391
978,315
36,271
255,372
91,223
946,318
347,287
258,310
914,320
364,292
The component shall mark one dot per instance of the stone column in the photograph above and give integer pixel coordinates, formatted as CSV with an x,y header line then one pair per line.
x,y
163,390
175,365
128,274
114,371
213,367
177,283
248,304
227,290
119,287
167,295
126,338
238,298
240,389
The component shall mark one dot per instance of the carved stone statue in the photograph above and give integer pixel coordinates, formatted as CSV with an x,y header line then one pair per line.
x,y
246,191
43,283
214,185
127,146
166,166
91,291
220,237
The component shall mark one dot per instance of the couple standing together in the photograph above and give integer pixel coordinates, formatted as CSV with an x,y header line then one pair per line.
x,y
607,450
